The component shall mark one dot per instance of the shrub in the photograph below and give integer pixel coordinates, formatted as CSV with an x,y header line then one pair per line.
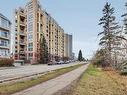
x,y
6,62
98,62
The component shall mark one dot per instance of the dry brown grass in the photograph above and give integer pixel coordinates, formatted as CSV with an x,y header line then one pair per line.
x,y
97,82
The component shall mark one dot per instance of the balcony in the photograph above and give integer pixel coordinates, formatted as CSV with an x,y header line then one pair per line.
x,y
22,57
22,23
22,33
4,47
5,28
22,51
22,14
22,42
4,37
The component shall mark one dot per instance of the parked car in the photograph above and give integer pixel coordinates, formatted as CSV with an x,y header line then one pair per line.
x,y
68,61
52,63
60,62
65,62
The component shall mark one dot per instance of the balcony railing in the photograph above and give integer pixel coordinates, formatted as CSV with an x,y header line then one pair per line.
x,y
22,57
22,42
22,23
5,27
22,33
22,14
22,51
4,46
4,36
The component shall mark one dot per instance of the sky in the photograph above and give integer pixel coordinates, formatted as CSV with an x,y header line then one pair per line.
x,y
77,17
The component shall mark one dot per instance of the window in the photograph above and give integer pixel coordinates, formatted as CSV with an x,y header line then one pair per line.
x,y
16,38
15,29
41,17
4,43
30,47
4,33
30,54
15,21
30,37
4,52
4,23
30,27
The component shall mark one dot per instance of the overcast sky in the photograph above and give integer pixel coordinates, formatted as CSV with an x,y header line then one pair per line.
x,y
77,17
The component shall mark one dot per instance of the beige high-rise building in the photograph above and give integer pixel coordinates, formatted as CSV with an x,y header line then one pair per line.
x,y
31,24
20,34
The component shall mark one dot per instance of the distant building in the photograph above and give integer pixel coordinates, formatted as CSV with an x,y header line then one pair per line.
x,y
31,24
68,46
73,56
5,35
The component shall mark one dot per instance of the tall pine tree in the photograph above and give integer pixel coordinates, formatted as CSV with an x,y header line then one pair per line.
x,y
43,57
80,58
110,36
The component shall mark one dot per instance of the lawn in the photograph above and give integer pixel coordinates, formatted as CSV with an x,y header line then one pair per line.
x,y
98,82
7,89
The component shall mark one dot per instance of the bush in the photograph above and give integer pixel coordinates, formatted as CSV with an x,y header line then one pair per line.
x,y
6,62
98,62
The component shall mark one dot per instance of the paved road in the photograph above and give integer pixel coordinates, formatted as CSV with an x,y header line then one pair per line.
x,y
6,74
52,86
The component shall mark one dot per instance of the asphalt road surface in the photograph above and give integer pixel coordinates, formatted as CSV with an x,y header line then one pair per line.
x,y
18,72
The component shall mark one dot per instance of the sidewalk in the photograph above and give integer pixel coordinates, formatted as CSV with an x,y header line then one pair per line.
x,y
52,86
2,68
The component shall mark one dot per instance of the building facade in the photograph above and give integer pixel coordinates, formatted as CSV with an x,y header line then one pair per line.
x,y
20,34
32,23
5,35
68,46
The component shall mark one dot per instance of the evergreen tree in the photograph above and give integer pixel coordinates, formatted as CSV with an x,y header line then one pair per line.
x,y
110,36
80,58
43,51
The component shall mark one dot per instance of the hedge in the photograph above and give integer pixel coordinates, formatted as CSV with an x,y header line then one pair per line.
x,y
6,62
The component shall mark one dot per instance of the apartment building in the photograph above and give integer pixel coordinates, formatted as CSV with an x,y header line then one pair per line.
x,y
5,35
32,23
20,34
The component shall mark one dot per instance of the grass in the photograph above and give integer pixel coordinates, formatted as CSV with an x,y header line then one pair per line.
x,y
98,82
7,89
